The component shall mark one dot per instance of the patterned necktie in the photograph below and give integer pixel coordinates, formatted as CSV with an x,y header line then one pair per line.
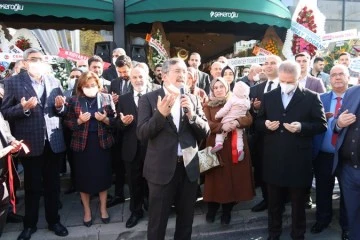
x,y
269,86
337,108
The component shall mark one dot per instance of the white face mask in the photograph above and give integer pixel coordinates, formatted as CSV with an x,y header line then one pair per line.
x,y
36,69
287,88
91,91
83,69
114,60
71,83
256,77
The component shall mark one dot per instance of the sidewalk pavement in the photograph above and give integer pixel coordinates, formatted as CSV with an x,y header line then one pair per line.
x,y
244,224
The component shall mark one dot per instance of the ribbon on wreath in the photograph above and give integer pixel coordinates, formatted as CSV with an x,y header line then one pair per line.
x,y
234,151
11,170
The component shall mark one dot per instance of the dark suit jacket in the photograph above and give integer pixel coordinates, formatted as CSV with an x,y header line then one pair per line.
x,y
204,81
117,86
110,73
315,84
318,139
288,156
43,119
80,132
163,138
130,144
351,102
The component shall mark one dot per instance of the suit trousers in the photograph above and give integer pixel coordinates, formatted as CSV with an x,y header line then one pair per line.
x,y
137,184
119,169
179,191
41,173
276,201
4,204
325,181
350,186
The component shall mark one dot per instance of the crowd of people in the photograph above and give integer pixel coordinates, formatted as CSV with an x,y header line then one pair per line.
x,y
276,127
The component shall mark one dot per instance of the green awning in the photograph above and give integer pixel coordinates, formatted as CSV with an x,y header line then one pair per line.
x,y
54,13
268,12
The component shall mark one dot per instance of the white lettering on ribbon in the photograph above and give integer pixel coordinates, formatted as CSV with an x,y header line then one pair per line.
x,y
307,34
15,7
246,61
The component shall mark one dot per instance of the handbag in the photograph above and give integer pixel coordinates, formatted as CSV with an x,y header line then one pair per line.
x,y
207,160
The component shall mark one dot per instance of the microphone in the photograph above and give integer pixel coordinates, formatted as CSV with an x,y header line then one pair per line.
x,y
182,92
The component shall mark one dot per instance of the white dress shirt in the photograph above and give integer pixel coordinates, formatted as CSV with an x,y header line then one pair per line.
x,y
136,96
274,85
302,82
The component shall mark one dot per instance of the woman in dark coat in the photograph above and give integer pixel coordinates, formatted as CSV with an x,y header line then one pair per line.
x,y
233,181
90,115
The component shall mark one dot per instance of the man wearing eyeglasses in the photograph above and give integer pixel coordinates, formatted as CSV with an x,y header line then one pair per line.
x,y
29,105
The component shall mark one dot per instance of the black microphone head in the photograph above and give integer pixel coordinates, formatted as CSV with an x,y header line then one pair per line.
x,y
182,90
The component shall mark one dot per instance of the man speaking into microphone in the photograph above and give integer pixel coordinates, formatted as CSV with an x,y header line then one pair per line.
x,y
171,165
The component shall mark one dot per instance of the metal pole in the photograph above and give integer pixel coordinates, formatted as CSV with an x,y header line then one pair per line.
x,y
343,17
119,23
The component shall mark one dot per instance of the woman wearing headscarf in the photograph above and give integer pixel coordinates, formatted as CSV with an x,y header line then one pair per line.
x,y
231,182
229,76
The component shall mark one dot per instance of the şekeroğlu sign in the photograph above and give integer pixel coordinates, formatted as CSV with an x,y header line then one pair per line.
x,y
224,14
14,7
307,34
246,61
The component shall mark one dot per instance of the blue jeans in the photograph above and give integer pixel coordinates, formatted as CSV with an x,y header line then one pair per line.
x,y
350,186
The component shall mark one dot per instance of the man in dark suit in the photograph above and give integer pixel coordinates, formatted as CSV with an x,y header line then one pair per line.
x,y
289,118
171,164
111,73
256,138
133,150
323,150
96,65
29,104
347,155
118,87
306,80
203,78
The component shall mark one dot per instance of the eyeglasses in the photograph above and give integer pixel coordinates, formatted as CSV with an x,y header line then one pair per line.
x,y
341,74
75,76
34,59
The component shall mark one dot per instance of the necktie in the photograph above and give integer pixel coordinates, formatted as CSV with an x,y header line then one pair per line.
x,y
125,86
269,86
139,95
337,108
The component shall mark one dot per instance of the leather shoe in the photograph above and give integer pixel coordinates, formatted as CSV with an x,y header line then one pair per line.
x,y
88,223
14,218
345,235
58,229
261,206
105,220
115,201
318,227
133,220
26,233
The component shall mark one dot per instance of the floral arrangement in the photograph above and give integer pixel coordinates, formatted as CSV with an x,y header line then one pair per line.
x,y
154,57
309,16
332,56
23,43
272,47
305,18
62,70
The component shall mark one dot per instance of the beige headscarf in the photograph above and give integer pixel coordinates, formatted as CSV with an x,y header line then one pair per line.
x,y
217,101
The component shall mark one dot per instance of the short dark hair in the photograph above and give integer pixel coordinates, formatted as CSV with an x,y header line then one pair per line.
x,y
344,53
76,69
123,60
158,65
318,59
302,54
95,58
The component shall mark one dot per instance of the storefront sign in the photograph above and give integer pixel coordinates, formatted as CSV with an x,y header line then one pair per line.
x,y
14,49
306,34
224,14
339,36
10,57
156,44
14,7
246,61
